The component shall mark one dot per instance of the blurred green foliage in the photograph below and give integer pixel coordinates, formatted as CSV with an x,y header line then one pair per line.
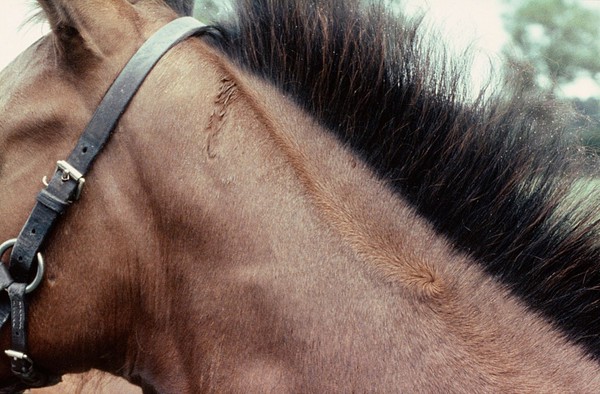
x,y
209,11
554,43
560,39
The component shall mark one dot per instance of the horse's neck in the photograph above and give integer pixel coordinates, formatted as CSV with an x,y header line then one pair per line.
x,y
283,263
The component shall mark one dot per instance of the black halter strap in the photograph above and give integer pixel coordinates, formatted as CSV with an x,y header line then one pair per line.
x,y
66,185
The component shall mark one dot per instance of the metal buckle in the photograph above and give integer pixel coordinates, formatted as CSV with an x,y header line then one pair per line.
x,y
18,356
21,365
68,172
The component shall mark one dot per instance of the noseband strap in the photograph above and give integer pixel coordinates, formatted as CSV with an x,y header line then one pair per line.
x,y
67,182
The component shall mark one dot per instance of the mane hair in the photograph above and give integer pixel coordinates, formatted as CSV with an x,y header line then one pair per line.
x,y
503,183
182,7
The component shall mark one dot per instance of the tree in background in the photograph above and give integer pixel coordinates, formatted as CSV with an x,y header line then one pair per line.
x,y
590,122
560,39
555,42
210,10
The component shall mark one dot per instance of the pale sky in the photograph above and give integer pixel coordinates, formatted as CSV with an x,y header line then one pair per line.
x,y
464,22
14,38
460,21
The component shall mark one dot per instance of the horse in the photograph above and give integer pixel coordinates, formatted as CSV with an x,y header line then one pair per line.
x,y
304,198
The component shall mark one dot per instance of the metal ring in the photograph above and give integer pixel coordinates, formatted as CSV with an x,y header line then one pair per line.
x,y
39,275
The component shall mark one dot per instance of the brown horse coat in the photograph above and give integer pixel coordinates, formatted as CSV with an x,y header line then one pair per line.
x,y
228,241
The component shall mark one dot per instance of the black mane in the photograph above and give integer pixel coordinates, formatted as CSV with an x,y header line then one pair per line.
x,y
504,184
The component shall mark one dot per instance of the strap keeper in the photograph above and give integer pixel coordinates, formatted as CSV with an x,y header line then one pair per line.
x,y
49,200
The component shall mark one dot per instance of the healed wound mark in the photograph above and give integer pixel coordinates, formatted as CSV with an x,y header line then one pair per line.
x,y
226,96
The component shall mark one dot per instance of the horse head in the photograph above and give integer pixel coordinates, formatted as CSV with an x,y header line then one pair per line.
x,y
50,94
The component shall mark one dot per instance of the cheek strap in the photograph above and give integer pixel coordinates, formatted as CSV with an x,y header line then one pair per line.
x,y
65,187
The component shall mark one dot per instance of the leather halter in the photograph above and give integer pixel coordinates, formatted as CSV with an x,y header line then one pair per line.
x,y
65,187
